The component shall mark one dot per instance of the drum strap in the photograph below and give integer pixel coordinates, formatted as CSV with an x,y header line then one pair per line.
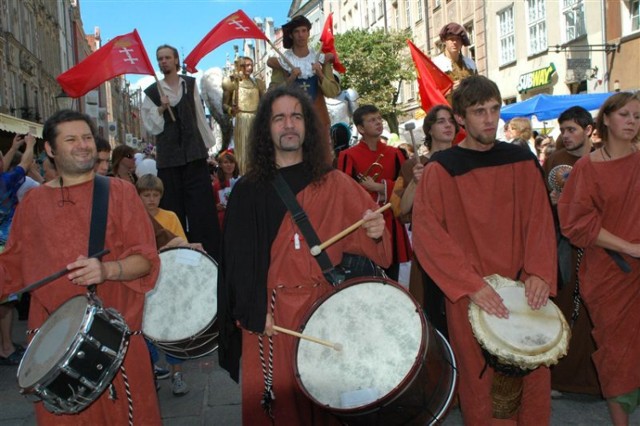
x,y
302,220
99,211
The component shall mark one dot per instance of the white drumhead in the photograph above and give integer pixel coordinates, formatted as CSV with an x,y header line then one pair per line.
x,y
528,338
185,298
381,332
52,341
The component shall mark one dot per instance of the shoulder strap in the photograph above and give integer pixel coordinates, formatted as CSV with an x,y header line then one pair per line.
x,y
302,220
99,211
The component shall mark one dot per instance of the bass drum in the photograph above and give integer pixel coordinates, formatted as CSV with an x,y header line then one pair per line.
x,y
180,312
393,368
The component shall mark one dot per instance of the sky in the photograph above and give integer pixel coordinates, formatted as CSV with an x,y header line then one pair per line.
x,y
180,23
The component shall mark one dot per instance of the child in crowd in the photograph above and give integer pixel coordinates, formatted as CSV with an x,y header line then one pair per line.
x,y
150,190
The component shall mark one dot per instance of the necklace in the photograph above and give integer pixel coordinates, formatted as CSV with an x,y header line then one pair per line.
x,y
609,157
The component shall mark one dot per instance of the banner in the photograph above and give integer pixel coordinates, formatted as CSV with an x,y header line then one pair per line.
x,y
237,25
328,44
124,54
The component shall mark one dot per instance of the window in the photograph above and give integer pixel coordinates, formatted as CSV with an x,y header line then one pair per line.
x,y
437,4
398,21
381,10
630,16
506,36
573,19
420,11
472,40
407,5
537,23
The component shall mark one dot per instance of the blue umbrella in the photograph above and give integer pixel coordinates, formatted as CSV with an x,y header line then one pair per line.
x,y
548,107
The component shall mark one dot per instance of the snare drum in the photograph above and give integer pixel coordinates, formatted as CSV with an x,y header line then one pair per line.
x,y
180,312
74,356
515,346
393,367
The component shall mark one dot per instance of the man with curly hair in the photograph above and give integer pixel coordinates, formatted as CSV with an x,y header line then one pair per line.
x,y
284,280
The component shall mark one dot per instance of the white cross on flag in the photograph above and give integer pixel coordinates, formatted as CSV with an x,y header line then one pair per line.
x,y
124,54
237,25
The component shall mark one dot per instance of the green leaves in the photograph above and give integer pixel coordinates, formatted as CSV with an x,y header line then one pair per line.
x,y
377,62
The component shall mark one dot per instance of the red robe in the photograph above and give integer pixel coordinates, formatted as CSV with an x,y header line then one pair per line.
x,y
607,195
491,219
297,280
45,237
575,372
357,159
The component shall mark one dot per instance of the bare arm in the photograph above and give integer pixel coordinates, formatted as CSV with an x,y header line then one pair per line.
x,y
607,240
27,158
86,271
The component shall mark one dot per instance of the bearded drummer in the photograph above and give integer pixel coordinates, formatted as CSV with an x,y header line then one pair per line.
x,y
481,207
51,231
267,273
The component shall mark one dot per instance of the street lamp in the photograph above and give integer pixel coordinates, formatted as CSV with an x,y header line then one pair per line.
x,y
64,101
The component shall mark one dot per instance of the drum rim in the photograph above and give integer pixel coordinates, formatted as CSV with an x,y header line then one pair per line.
x,y
201,331
204,253
73,343
52,402
406,380
521,360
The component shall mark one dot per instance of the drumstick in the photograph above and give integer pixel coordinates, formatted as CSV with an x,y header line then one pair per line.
x,y
316,250
55,276
336,346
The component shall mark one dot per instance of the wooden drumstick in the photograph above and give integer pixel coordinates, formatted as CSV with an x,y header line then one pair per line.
x,y
316,250
336,346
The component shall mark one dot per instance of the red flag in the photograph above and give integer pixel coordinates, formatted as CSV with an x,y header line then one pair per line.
x,y
237,25
328,44
124,54
432,82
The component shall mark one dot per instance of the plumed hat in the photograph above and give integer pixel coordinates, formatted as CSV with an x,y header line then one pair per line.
x,y
287,29
456,30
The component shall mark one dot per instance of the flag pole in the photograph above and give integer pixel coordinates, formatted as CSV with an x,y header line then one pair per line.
x,y
173,117
284,58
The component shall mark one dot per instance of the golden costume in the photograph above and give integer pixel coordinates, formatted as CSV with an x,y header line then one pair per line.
x,y
243,93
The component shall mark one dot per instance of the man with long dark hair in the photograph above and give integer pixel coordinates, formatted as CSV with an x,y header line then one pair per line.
x,y
267,274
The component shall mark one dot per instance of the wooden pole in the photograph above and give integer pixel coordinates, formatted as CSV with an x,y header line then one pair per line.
x,y
173,117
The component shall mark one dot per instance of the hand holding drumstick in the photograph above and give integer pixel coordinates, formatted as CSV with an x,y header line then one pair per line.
x,y
372,222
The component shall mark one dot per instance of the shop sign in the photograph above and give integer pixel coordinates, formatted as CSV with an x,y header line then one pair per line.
x,y
537,78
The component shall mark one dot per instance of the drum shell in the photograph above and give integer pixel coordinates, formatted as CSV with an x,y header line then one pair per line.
x,y
421,397
176,296
88,365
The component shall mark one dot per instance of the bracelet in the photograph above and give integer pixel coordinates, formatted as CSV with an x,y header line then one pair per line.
x,y
119,277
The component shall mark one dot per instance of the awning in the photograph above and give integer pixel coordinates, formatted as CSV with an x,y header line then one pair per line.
x,y
12,124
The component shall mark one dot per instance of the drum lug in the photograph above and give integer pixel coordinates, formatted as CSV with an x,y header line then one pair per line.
x,y
92,340
71,372
88,383
108,351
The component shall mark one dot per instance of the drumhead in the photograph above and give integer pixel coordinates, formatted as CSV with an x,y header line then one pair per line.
x,y
382,334
185,298
52,341
528,338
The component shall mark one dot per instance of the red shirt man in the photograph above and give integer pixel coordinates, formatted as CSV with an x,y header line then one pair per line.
x,y
381,178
